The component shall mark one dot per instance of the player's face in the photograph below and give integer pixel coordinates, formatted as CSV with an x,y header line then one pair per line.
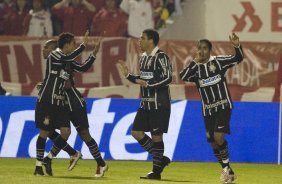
x,y
47,49
204,51
71,46
144,42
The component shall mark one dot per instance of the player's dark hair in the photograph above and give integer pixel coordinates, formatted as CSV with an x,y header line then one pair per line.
x,y
65,38
207,42
53,43
152,34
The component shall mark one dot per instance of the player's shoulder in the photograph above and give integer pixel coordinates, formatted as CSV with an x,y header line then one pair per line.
x,y
56,54
161,54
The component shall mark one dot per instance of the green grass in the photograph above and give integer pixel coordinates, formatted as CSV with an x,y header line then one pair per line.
x,y
20,171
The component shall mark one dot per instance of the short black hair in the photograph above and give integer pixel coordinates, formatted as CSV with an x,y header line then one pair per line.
x,y
152,34
207,42
53,43
65,38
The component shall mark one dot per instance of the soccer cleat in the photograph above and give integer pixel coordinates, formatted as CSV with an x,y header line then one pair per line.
x,y
38,171
165,161
74,159
152,176
101,171
47,162
227,175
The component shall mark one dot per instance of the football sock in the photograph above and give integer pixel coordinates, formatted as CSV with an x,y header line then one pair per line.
x,y
54,135
147,143
59,144
218,157
223,150
94,150
158,151
40,147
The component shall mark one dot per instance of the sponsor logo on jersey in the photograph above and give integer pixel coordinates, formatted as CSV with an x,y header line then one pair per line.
x,y
210,81
146,75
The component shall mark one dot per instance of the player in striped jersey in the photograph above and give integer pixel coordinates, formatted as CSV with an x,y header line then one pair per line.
x,y
208,73
78,112
154,112
50,111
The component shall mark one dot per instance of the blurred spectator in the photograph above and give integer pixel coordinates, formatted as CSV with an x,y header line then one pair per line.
x,y
140,16
75,14
3,91
19,12
5,11
110,21
57,24
178,8
38,21
99,4
276,97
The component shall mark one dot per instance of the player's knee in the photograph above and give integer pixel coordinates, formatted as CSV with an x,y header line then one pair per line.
x,y
219,139
85,135
44,134
138,135
65,133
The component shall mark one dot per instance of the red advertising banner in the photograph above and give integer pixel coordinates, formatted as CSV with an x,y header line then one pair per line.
x,y
21,62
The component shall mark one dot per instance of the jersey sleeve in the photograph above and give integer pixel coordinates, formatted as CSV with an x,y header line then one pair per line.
x,y
83,67
69,57
189,73
132,78
226,62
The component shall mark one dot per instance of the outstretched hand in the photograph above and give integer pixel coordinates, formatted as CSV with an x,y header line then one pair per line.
x,y
234,39
85,39
97,43
123,67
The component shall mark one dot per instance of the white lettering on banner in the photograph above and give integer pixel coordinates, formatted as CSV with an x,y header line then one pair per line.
x,y
14,132
97,118
245,74
1,125
119,139
176,118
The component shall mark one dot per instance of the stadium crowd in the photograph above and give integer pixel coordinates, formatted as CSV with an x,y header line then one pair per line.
x,y
111,18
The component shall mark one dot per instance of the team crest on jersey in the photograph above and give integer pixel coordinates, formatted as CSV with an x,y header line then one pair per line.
x,y
46,121
212,68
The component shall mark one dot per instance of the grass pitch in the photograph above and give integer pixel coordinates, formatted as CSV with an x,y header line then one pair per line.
x,y
20,171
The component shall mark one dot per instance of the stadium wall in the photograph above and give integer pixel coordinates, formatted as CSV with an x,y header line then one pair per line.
x,y
22,66
254,128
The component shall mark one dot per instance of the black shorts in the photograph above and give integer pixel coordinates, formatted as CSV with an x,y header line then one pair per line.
x,y
154,121
49,117
79,119
217,122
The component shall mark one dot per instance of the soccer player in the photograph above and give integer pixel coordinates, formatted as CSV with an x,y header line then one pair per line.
x,y
50,110
154,112
208,73
78,113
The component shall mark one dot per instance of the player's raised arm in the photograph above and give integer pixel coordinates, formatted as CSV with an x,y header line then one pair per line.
x,y
231,60
82,67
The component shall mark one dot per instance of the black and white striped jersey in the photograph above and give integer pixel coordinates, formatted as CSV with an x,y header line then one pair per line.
x,y
74,99
52,90
210,80
157,71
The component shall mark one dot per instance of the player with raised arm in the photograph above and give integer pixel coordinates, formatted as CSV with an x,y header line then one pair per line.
x,y
208,73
